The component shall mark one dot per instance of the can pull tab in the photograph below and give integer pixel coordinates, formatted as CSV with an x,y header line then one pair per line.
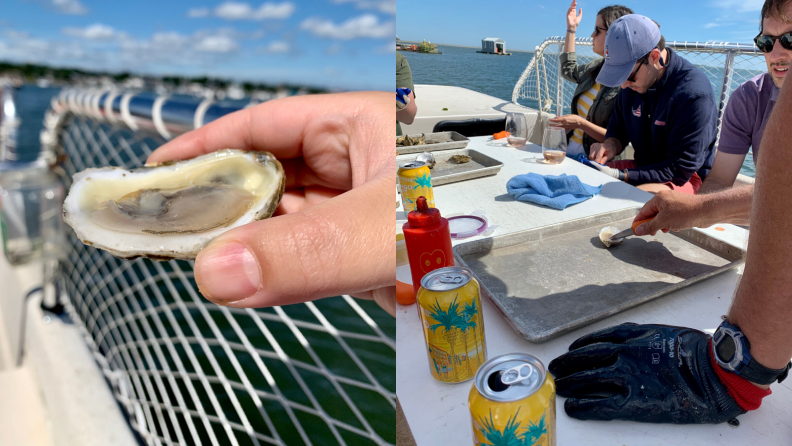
x,y
515,375
452,278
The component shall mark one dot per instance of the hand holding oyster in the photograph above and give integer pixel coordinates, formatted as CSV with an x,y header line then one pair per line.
x,y
173,209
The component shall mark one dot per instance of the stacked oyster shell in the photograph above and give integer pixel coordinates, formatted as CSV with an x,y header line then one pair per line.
x,y
172,210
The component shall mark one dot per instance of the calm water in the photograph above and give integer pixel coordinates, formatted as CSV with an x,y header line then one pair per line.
x,y
492,75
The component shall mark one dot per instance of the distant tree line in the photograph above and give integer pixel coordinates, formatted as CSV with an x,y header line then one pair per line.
x,y
32,72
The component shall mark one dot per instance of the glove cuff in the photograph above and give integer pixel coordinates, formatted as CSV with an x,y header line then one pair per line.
x,y
747,395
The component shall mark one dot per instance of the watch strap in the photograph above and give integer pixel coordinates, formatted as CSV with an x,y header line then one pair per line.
x,y
759,374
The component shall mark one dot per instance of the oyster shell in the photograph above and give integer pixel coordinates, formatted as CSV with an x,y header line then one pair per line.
x,y
172,210
605,235
460,159
427,158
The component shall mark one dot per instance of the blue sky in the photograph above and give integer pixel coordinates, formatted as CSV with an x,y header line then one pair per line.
x,y
343,44
523,24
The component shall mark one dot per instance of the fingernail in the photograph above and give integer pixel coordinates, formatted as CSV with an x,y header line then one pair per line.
x,y
227,273
640,230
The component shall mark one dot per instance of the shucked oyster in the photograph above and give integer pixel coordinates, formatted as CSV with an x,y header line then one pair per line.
x,y
172,210
605,235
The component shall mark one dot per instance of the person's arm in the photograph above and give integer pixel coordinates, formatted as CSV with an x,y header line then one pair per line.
x,y
724,172
761,305
735,138
595,131
407,115
692,129
675,211
573,20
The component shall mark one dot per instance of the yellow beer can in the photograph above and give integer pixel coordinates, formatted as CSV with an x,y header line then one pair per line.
x,y
449,304
415,180
513,400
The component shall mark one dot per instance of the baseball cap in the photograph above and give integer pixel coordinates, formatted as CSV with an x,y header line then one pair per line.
x,y
629,38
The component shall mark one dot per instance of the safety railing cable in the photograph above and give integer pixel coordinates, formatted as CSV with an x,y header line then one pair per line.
x,y
189,372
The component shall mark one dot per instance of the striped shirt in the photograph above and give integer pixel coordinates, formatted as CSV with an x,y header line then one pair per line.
x,y
584,102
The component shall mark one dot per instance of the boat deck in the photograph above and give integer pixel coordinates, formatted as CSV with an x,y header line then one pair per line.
x,y
437,413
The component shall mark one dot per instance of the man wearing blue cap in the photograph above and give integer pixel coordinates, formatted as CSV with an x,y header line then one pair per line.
x,y
666,109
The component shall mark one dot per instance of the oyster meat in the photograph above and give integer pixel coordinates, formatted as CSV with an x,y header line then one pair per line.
x,y
172,210
605,235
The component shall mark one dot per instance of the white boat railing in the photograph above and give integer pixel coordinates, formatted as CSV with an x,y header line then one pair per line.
x,y
189,372
727,65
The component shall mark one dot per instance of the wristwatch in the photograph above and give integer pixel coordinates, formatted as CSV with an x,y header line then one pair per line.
x,y
732,351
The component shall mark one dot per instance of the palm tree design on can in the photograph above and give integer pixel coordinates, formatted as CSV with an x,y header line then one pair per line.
x,y
510,435
471,313
449,320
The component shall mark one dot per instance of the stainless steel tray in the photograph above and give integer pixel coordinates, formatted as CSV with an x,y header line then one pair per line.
x,y
549,281
435,141
445,172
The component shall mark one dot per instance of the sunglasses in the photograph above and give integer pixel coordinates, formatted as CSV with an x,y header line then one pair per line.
x,y
641,61
766,43
597,30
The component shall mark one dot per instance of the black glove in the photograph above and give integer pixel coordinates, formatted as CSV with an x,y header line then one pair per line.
x,y
648,373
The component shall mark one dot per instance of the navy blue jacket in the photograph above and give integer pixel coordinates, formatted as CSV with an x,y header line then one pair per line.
x,y
672,127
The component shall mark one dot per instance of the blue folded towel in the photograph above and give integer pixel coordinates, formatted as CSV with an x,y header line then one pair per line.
x,y
556,192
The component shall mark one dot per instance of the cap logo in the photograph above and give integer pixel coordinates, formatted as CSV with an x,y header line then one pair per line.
x,y
607,56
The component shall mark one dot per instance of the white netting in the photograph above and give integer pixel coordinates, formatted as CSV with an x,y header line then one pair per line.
x,y
541,81
189,372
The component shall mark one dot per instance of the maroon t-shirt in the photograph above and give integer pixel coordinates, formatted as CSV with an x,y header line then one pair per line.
x,y
746,116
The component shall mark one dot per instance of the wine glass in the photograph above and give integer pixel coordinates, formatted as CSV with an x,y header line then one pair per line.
x,y
554,145
517,126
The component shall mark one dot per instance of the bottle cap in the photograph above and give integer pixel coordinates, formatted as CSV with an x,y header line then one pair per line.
x,y
423,215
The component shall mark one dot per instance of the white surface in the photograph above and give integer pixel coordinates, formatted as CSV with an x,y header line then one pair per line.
x,y
58,396
437,413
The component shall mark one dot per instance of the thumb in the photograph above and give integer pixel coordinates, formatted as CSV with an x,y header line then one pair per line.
x,y
341,246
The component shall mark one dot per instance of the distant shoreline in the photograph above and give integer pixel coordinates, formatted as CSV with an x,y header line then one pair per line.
x,y
463,46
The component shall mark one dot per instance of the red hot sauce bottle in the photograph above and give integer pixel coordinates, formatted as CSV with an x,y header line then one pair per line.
x,y
428,241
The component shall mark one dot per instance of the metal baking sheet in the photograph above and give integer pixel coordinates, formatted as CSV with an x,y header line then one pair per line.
x,y
445,171
549,281
434,142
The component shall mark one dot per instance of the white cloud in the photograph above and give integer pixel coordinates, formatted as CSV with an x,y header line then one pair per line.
x,y
198,12
739,5
243,11
385,6
277,47
217,44
366,25
711,25
97,32
72,7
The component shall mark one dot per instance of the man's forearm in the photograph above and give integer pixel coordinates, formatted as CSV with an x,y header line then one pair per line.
x,y
763,303
727,206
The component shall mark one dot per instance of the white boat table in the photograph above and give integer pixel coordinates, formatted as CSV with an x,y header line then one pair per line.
x,y
437,412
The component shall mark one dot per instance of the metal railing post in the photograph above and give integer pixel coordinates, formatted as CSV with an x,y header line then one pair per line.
x,y
728,68
560,84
